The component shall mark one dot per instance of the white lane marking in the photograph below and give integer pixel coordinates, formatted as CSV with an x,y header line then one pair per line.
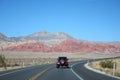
x,y
80,78
14,71
98,71
89,68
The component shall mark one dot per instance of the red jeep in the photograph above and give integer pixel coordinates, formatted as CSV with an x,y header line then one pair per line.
x,y
62,61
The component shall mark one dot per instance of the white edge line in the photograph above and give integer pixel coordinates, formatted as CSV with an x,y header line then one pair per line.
x,y
75,72
98,71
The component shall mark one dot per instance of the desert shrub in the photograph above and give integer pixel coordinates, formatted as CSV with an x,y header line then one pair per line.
x,y
2,61
106,64
118,74
16,65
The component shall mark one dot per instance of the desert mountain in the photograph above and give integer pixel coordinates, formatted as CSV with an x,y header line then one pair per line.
x,y
67,46
4,38
55,42
44,37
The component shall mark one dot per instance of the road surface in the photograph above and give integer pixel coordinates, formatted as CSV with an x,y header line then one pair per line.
x,y
77,71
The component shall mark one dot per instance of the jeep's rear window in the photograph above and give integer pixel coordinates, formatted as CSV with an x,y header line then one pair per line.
x,y
64,58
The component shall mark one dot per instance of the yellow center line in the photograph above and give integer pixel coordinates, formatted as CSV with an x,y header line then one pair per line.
x,y
39,74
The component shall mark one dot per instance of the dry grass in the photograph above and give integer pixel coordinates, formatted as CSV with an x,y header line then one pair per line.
x,y
9,54
39,58
96,65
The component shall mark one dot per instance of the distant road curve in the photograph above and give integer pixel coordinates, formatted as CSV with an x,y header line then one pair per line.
x,y
77,71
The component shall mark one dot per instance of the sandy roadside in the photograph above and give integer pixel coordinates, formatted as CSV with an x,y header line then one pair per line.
x,y
38,58
96,65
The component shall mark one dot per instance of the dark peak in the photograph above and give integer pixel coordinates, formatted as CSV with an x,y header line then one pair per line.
x,y
4,38
2,35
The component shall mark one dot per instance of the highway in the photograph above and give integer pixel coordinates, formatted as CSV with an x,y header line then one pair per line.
x,y
77,71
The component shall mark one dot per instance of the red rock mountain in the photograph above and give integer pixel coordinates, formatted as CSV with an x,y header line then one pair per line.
x,y
55,42
67,46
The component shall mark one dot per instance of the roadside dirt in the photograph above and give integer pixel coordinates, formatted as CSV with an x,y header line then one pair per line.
x,y
38,58
96,65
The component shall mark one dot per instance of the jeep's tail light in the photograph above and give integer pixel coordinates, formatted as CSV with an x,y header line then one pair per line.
x,y
58,62
66,62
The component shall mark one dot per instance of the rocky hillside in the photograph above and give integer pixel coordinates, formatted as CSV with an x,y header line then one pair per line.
x,y
4,38
85,46
47,38
55,42
67,46
42,37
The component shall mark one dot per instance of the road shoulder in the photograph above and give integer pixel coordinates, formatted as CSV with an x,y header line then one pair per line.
x,y
97,71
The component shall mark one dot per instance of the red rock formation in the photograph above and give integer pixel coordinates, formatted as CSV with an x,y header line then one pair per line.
x,y
35,47
67,46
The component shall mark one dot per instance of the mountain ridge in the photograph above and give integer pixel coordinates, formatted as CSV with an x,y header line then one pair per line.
x,y
55,42
4,38
66,46
42,37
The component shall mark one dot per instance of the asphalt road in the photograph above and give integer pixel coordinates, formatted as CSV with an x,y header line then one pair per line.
x,y
77,71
